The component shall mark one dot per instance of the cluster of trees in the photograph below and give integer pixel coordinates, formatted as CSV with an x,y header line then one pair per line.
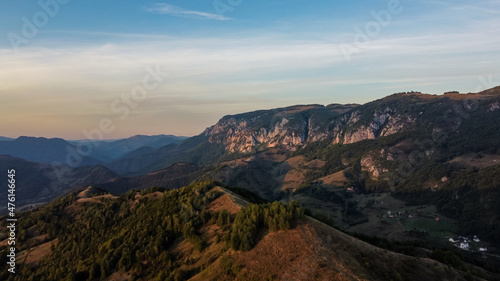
x,y
117,234
253,218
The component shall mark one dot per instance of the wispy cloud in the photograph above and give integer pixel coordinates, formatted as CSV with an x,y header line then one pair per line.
x,y
167,9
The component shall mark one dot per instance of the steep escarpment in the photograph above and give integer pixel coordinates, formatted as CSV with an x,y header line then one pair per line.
x,y
290,127
345,124
302,126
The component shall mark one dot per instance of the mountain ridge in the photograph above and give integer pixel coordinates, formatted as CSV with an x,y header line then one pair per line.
x,y
58,150
300,125
43,150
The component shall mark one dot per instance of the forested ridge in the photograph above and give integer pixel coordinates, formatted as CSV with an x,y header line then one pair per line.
x,y
134,231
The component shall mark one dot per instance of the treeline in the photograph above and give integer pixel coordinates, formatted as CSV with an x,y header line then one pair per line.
x,y
243,231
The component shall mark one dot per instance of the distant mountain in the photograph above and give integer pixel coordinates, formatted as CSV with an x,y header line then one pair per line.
x,y
290,127
6,139
40,183
46,151
196,150
299,126
118,148
174,176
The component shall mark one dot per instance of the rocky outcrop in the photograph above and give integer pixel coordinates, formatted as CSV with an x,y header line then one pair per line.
x,y
297,126
368,164
362,133
383,123
243,136
396,124
293,128
494,106
289,127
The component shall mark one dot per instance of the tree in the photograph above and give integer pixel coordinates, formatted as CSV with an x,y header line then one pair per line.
x,y
95,271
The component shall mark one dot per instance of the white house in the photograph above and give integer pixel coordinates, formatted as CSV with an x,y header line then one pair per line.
x,y
476,239
483,249
464,245
454,239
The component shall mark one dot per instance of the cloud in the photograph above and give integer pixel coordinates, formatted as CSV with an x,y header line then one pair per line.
x,y
167,9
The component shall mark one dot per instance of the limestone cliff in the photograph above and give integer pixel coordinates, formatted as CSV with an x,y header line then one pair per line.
x,y
297,126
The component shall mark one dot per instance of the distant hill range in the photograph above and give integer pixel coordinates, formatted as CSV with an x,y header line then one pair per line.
x,y
40,180
174,176
44,150
40,183
118,148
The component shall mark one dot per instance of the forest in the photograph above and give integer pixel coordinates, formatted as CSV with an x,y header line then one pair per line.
x,y
134,232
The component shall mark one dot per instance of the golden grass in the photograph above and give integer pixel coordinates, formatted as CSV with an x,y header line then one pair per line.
x,y
34,255
337,179
472,160
296,161
224,202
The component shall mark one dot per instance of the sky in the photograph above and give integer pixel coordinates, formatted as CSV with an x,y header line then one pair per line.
x,y
117,68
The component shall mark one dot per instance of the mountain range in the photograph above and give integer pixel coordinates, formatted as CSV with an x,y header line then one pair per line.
x,y
407,167
48,151
307,125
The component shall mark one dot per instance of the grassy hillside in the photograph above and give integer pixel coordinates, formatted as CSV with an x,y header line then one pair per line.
x,y
200,232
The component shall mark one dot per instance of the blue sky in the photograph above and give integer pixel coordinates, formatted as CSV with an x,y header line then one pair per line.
x,y
223,59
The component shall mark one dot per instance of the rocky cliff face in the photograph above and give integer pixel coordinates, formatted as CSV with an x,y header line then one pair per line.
x,y
302,125
241,135
383,123
289,127
345,124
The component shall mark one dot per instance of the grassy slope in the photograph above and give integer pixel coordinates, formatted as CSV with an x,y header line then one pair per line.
x,y
310,250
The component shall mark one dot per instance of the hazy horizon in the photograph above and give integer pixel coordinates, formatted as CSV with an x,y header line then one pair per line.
x,y
108,138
